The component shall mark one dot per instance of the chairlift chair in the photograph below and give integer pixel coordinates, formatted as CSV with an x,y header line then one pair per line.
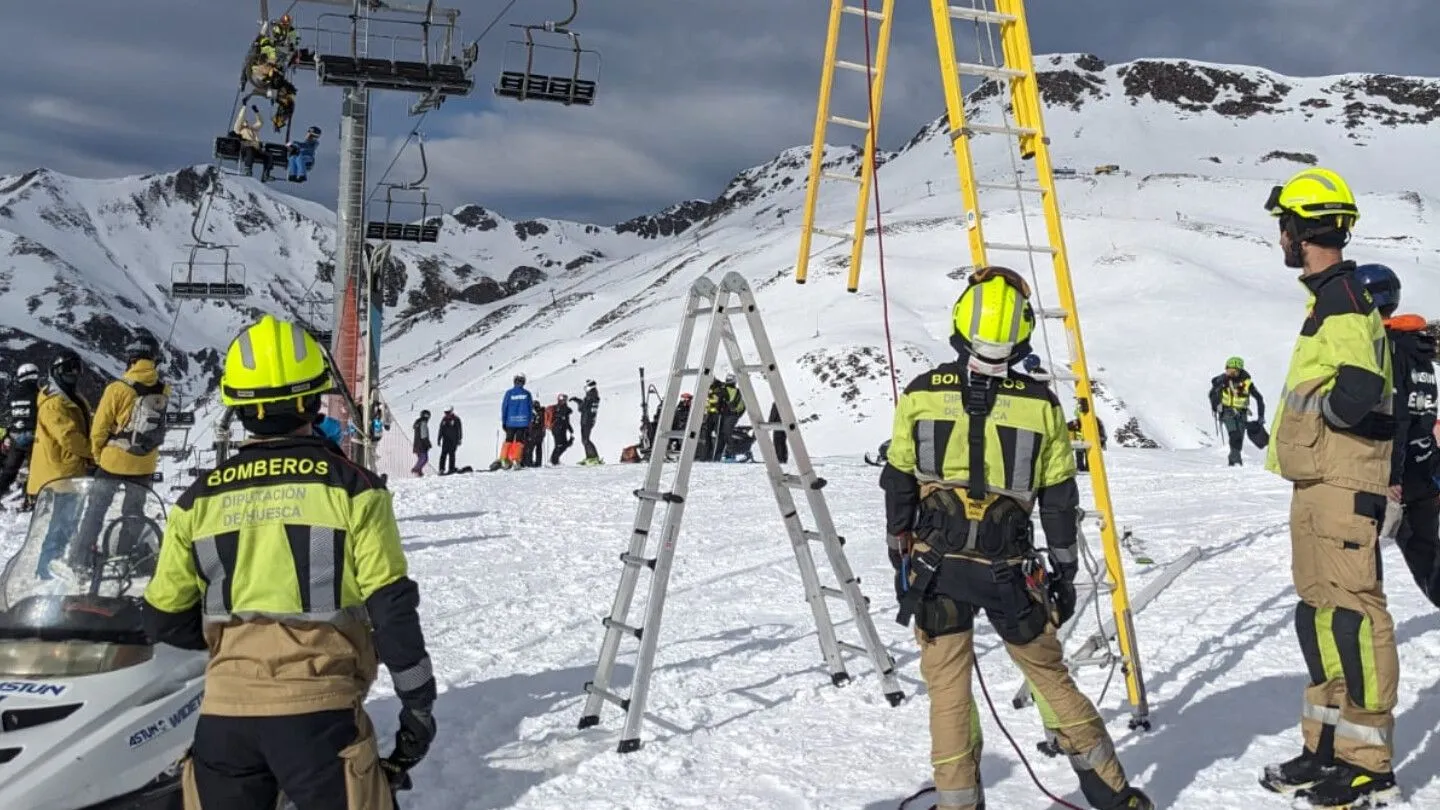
x,y
229,148
391,229
196,277
578,87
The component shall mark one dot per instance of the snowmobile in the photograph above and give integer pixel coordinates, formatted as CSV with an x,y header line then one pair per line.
x,y
96,716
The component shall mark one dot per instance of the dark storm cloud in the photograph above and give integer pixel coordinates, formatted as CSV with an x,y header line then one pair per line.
x,y
690,92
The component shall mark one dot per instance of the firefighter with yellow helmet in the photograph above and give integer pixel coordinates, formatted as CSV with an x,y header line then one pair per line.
x,y
976,448
285,562
1331,438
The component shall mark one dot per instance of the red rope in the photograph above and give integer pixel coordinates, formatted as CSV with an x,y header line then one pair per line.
x,y
1023,760
875,187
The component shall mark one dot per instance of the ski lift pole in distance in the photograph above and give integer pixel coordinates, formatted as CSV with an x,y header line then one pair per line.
x,y
576,88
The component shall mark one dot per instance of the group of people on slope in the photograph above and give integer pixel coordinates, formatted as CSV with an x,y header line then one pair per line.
x,y
58,434
525,423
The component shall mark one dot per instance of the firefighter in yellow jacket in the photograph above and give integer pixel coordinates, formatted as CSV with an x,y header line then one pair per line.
x,y
61,450
976,447
285,562
1331,437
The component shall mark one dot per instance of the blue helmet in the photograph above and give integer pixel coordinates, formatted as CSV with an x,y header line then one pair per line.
x,y
1382,284
1031,362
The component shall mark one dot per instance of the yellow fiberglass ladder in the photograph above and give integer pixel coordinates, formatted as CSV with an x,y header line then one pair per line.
x,y
1003,58
877,54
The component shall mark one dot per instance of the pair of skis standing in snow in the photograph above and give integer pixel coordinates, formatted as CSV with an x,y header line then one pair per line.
x,y
960,488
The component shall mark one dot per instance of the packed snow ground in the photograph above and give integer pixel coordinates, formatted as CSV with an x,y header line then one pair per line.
x,y
517,569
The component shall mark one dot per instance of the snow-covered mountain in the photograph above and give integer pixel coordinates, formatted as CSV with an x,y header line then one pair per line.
x,y
1175,243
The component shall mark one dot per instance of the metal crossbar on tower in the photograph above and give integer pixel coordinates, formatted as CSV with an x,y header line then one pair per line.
x,y
1008,63
732,300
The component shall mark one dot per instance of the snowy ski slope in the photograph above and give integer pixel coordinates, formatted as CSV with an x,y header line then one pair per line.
x,y
516,570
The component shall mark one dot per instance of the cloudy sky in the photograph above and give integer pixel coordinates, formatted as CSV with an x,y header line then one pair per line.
x,y
691,91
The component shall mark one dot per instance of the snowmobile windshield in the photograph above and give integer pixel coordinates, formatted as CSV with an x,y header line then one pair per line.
x,y
70,597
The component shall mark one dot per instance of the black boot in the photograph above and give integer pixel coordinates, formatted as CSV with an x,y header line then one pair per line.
x,y
1347,787
1133,799
1301,772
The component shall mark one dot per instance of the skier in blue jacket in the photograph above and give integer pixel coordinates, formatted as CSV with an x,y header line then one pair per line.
x,y
302,155
515,416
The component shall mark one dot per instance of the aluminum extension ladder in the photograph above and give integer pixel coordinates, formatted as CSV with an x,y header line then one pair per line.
x,y
733,297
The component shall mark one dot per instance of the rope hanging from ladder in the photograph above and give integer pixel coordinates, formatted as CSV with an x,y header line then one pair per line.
x,y
875,188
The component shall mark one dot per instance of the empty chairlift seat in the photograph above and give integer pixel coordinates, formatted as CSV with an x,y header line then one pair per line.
x,y
572,78
383,74
208,273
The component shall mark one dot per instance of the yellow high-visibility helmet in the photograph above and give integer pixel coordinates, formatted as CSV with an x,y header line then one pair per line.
x,y
273,361
1318,195
993,318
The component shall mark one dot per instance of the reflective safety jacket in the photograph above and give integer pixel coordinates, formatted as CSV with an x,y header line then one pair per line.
x,y
285,561
1413,460
732,402
1027,451
1334,422
1234,393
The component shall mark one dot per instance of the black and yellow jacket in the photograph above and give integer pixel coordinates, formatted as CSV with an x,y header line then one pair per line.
x,y
1028,454
1335,420
285,561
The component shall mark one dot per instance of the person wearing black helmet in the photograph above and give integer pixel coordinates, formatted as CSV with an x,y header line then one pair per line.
x,y
21,400
61,450
1413,518
589,408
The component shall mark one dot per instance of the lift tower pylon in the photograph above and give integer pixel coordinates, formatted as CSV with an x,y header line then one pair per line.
x,y
406,47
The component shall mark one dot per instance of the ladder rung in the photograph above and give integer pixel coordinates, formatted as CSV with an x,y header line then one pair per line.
x,y
980,15
1080,445
651,495
753,368
1009,187
834,593
689,371
860,12
816,537
673,434
852,648
631,559
623,703
1017,248
1053,314
848,178
614,625
791,480
990,129
1066,376
769,425
850,122
832,234
855,66
988,71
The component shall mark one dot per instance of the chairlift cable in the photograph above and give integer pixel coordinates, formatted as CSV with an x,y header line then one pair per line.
x,y
498,18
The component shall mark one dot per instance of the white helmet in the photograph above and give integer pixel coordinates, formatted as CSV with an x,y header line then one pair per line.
x,y
28,371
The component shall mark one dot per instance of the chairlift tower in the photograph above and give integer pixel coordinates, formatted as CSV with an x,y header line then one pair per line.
x,y
411,50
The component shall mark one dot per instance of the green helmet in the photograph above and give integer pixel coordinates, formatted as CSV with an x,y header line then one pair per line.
x,y
1235,362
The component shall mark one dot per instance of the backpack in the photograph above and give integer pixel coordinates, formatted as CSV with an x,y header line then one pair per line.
x,y
549,416
145,431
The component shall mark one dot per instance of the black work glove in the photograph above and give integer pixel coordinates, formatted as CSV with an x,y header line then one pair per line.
x,y
1062,591
412,743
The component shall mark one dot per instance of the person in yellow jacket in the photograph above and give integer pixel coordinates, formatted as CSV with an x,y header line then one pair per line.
x,y
61,450
126,434
285,562
976,449
1331,438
